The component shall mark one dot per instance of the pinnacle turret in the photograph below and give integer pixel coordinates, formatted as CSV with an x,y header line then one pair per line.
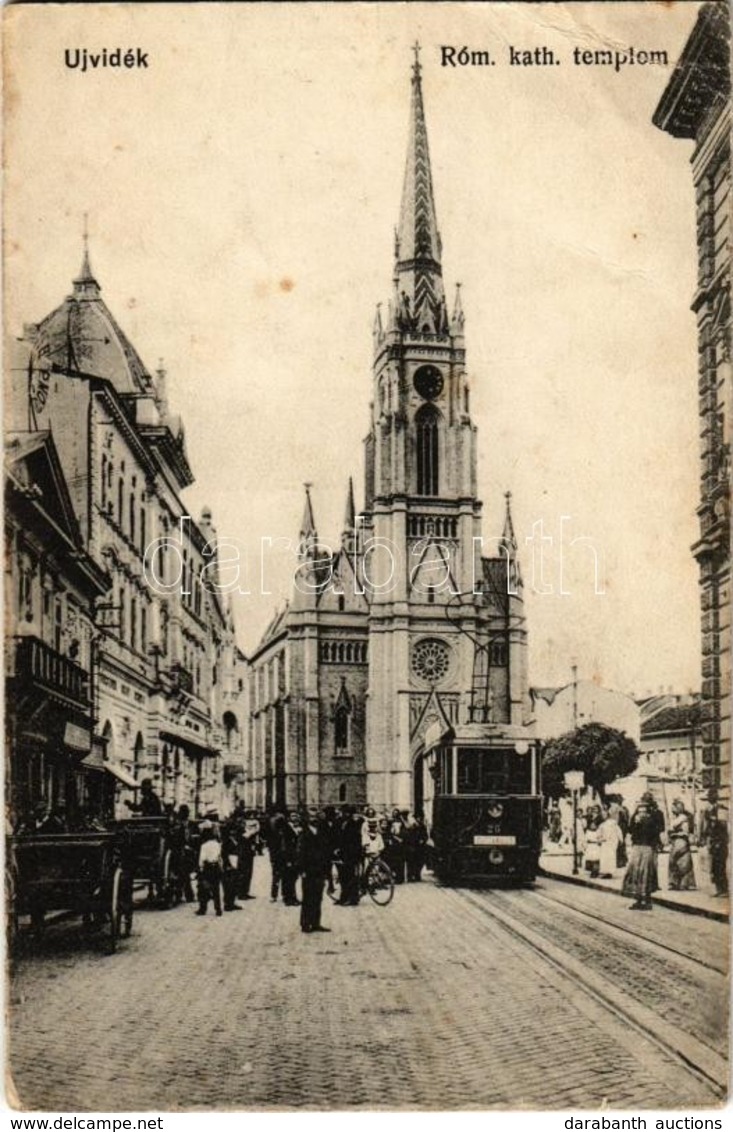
x,y
458,317
308,532
348,531
508,533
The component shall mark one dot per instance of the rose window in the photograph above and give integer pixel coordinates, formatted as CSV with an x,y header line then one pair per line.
x,y
430,661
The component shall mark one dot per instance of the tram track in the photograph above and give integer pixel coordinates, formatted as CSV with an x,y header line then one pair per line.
x,y
619,931
697,1057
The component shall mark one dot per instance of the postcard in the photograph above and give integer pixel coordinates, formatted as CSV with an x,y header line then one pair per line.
x,y
367,408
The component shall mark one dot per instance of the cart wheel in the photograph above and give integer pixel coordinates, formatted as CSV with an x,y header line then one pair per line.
x,y
167,881
13,921
38,922
379,882
114,911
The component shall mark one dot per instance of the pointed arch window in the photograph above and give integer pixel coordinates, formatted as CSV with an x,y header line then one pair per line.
x,y
426,424
341,722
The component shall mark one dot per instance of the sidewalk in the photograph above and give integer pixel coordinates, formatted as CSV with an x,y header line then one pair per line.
x,y
558,863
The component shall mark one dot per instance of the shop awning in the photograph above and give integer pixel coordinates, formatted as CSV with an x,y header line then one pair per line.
x,y
190,746
123,776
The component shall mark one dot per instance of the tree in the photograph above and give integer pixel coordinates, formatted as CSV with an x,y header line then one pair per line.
x,y
602,753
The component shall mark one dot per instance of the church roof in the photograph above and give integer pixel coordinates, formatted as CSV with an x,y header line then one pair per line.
x,y
275,627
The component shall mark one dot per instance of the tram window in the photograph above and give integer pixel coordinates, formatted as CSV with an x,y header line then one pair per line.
x,y
469,772
447,776
494,772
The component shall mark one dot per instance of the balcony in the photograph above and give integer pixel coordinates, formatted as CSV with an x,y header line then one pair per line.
x,y
181,680
38,664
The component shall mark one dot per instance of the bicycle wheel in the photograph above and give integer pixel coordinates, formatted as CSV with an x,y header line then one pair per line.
x,y
379,882
333,884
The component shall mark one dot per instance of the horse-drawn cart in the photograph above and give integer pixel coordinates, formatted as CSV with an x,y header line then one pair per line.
x,y
147,853
77,873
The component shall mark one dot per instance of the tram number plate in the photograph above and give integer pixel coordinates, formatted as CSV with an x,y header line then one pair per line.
x,y
494,839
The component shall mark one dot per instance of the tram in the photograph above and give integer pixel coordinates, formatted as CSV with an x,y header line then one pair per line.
x,y
486,804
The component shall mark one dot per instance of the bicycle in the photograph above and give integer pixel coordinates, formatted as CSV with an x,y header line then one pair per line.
x,y
375,880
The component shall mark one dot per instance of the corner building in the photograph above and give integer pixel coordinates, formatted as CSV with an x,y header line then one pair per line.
x,y
696,106
164,677
408,623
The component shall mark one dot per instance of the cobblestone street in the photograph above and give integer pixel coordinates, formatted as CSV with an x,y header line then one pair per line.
x,y
428,1003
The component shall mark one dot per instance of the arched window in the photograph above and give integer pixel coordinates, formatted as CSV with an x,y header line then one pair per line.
x,y
123,613
426,424
231,727
138,754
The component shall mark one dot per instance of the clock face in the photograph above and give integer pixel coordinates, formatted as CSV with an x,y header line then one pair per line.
x,y
428,382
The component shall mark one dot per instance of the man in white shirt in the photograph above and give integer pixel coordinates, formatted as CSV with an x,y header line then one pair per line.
x,y
210,870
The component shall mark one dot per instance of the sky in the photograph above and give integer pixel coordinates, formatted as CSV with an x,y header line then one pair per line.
x,y
242,193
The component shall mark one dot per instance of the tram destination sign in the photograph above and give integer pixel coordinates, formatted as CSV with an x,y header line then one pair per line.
x,y
494,839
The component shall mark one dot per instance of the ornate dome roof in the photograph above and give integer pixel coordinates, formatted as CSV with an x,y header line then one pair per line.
x,y
82,334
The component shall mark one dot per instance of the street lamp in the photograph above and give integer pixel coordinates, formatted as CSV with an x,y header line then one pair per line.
x,y
574,781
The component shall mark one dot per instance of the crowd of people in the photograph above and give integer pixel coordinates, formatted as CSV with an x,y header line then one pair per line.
x,y
609,837
314,849
310,850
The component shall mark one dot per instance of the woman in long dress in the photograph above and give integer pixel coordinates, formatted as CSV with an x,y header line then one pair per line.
x,y
645,829
610,836
681,870
592,846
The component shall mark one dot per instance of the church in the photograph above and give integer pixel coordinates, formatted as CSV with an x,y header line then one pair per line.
x,y
407,625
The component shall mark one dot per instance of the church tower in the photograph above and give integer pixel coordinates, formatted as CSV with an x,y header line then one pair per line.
x,y
407,623
422,516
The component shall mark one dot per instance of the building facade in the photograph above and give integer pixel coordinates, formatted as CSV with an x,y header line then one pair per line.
x,y
696,106
559,710
51,589
408,622
166,677
670,762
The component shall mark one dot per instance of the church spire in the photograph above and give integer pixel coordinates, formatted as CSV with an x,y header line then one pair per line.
x,y
85,283
417,242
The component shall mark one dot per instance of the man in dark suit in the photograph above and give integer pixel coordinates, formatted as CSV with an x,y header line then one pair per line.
x,y
351,853
314,861
150,805
290,832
